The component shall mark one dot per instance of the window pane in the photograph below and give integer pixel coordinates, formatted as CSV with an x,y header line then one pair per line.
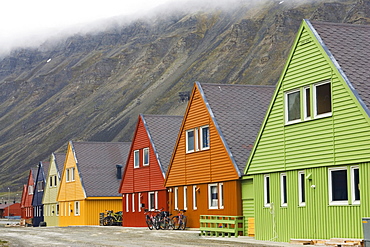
x,y
136,158
151,201
308,102
283,190
323,98
214,196
267,190
339,185
294,110
146,156
205,137
302,189
190,140
356,181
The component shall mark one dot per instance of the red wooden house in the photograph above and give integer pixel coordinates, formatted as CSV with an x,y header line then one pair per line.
x,y
10,210
27,196
142,184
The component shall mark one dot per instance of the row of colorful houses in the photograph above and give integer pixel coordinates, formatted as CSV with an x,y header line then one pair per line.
x,y
292,159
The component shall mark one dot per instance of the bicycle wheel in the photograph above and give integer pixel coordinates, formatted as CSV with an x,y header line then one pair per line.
x,y
183,223
156,223
175,222
149,222
170,225
107,221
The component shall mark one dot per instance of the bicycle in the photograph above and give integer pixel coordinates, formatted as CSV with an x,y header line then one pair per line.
x,y
179,221
112,218
164,220
151,218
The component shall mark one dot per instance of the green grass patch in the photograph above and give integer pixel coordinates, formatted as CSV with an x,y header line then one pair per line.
x,y
3,243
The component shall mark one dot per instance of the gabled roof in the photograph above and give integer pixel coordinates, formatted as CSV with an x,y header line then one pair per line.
x,y
238,112
43,169
162,132
59,161
96,164
348,47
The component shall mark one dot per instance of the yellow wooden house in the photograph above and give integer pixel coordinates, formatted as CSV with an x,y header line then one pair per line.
x,y
90,180
51,205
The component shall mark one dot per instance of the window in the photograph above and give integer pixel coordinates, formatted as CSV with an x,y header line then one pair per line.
x,y
30,189
176,197
195,189
133,202
212,196
221,192
322,99
51,181
185,197
40,186
307,103
67,175
293,106
146,156
355,184
57,213
55,180
69,209
338,192
139,202
127,203
204,137
301,189
151,201
267,190
190,141
136,159
77,208
72,174
283,190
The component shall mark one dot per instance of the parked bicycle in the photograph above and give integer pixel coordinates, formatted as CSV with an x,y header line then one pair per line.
x,y
164,220
179,221
151,218
112,218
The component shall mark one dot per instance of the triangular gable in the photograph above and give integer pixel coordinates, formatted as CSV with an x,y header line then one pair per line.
x,y
24,195
312,62
159,134
71,190
40,183
30,189
182,170
55,169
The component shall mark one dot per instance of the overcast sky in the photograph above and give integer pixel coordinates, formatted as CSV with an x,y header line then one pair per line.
x,y
21,18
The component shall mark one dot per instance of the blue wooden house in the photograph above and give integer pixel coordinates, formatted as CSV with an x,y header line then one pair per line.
x,y
40,181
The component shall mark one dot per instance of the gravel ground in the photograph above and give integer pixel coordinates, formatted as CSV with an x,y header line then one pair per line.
x,y
117,236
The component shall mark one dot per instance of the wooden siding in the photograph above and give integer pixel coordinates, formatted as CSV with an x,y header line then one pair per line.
x,y
205,166
144,178
73,190
317,219
89,211
134,217
231,198
327,141
247,201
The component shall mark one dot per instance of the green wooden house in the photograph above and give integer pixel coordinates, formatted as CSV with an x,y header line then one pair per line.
x,y
308,173
51,206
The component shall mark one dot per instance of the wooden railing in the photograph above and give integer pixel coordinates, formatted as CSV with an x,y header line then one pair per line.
x,y
220,225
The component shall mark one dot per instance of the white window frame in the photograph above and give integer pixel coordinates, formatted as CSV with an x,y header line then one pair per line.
x,y
201,138
331,202
127,203
133,202
301,187
185,197
221,195
150,200
145,150
67,175
176,197
305,116
57,207
283,190
156,199
72,174
139,202
286,107
187,141
315,100
266,203
30,189
51,181
77,208
137,164
195,206
69,209
210,196
353,185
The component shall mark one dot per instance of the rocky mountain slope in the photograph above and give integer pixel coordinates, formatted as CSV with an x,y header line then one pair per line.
x,y
92,86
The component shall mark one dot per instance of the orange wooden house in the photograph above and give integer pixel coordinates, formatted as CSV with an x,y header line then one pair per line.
x,y
217,134
142,184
